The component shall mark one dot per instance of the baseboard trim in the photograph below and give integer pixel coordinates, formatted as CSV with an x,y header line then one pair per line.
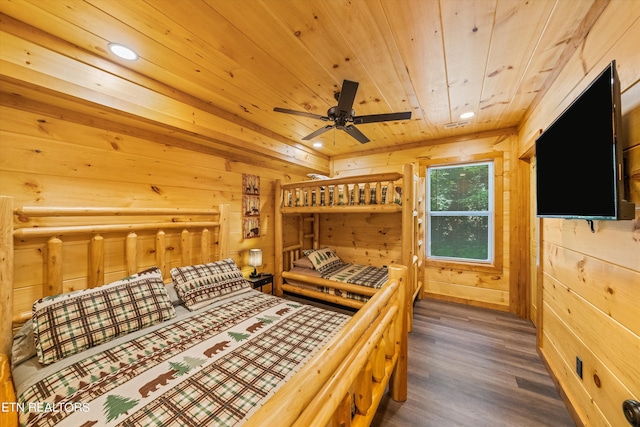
x,y
567,402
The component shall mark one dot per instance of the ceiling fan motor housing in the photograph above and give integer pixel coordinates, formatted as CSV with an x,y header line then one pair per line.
x,y
334,114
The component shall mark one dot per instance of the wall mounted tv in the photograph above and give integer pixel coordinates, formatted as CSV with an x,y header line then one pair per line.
x,y
579,167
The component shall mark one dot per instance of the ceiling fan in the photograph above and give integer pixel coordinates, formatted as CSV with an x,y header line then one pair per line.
x,y
343,116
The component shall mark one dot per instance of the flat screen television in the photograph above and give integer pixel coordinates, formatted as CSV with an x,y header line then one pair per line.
x,y
579,165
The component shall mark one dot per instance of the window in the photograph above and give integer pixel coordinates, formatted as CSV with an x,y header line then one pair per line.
x,y
460,212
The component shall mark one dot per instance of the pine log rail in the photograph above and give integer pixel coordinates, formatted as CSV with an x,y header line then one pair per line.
x,y
350,194
25,233
40,211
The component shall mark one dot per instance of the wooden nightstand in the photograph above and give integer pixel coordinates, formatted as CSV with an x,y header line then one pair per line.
x,y
264,282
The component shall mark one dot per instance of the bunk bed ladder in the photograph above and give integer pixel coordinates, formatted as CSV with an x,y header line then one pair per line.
x,y
420,233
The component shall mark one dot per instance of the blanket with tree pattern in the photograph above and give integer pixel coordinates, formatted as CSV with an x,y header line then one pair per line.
x,y
214,368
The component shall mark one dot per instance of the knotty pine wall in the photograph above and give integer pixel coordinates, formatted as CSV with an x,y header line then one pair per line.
x,y
590,300
46,160
456,282
370,239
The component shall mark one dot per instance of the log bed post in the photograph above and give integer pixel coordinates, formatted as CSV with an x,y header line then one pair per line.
x,y
7,418
277,280
6,273
408,236
316,231
223,231
96,262
205,246
7,394
161,253
398,385
131,253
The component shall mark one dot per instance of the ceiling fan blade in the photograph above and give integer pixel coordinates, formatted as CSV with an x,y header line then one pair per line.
x,y
389,117
354,132
318,132
301,113
347,96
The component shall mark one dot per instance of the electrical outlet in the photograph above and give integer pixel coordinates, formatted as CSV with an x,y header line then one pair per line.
x,y
579,366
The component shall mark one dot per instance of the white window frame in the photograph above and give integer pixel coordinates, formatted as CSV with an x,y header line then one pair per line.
x,y
490,213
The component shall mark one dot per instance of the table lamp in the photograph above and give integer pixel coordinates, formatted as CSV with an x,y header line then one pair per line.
x,y
255,260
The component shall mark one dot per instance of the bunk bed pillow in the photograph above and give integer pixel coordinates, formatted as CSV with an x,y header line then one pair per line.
x,y
200,285
323,259
69,323
303,262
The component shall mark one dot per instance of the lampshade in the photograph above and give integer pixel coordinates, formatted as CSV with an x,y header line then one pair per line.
x,y
255,257
255,260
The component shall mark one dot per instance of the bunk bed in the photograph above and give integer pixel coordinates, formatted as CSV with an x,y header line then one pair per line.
x,y
301,204
142,377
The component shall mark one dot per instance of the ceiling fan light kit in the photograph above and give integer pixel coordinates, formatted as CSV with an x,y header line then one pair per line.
x,y
343,116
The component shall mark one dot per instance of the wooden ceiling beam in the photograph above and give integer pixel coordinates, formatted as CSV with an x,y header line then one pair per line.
x,y
55,70
435,141
36,100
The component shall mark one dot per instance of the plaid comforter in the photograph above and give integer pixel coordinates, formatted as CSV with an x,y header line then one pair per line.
x,y
364,275
214,368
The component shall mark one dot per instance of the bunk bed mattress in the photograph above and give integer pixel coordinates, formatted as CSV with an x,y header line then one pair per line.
x,y
356,274
213,366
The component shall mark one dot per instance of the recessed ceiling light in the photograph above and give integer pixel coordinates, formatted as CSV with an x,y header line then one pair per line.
x,y
123,52
467,115
317,144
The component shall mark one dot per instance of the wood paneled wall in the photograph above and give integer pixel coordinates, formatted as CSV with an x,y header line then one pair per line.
x,y
370,239
454,283
48,160
590,298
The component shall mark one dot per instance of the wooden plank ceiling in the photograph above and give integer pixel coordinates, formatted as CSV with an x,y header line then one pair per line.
x,y
210,72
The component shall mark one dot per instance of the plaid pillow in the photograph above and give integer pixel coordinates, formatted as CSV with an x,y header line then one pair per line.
x,y
323,259
200,285
69,323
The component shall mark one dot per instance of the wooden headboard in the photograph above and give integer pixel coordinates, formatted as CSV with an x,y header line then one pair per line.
x,y
49,250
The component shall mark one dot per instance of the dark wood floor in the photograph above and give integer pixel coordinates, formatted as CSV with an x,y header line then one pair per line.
x,y
473,367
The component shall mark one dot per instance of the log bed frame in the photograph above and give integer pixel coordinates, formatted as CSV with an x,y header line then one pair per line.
x,y
366,358
309,199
